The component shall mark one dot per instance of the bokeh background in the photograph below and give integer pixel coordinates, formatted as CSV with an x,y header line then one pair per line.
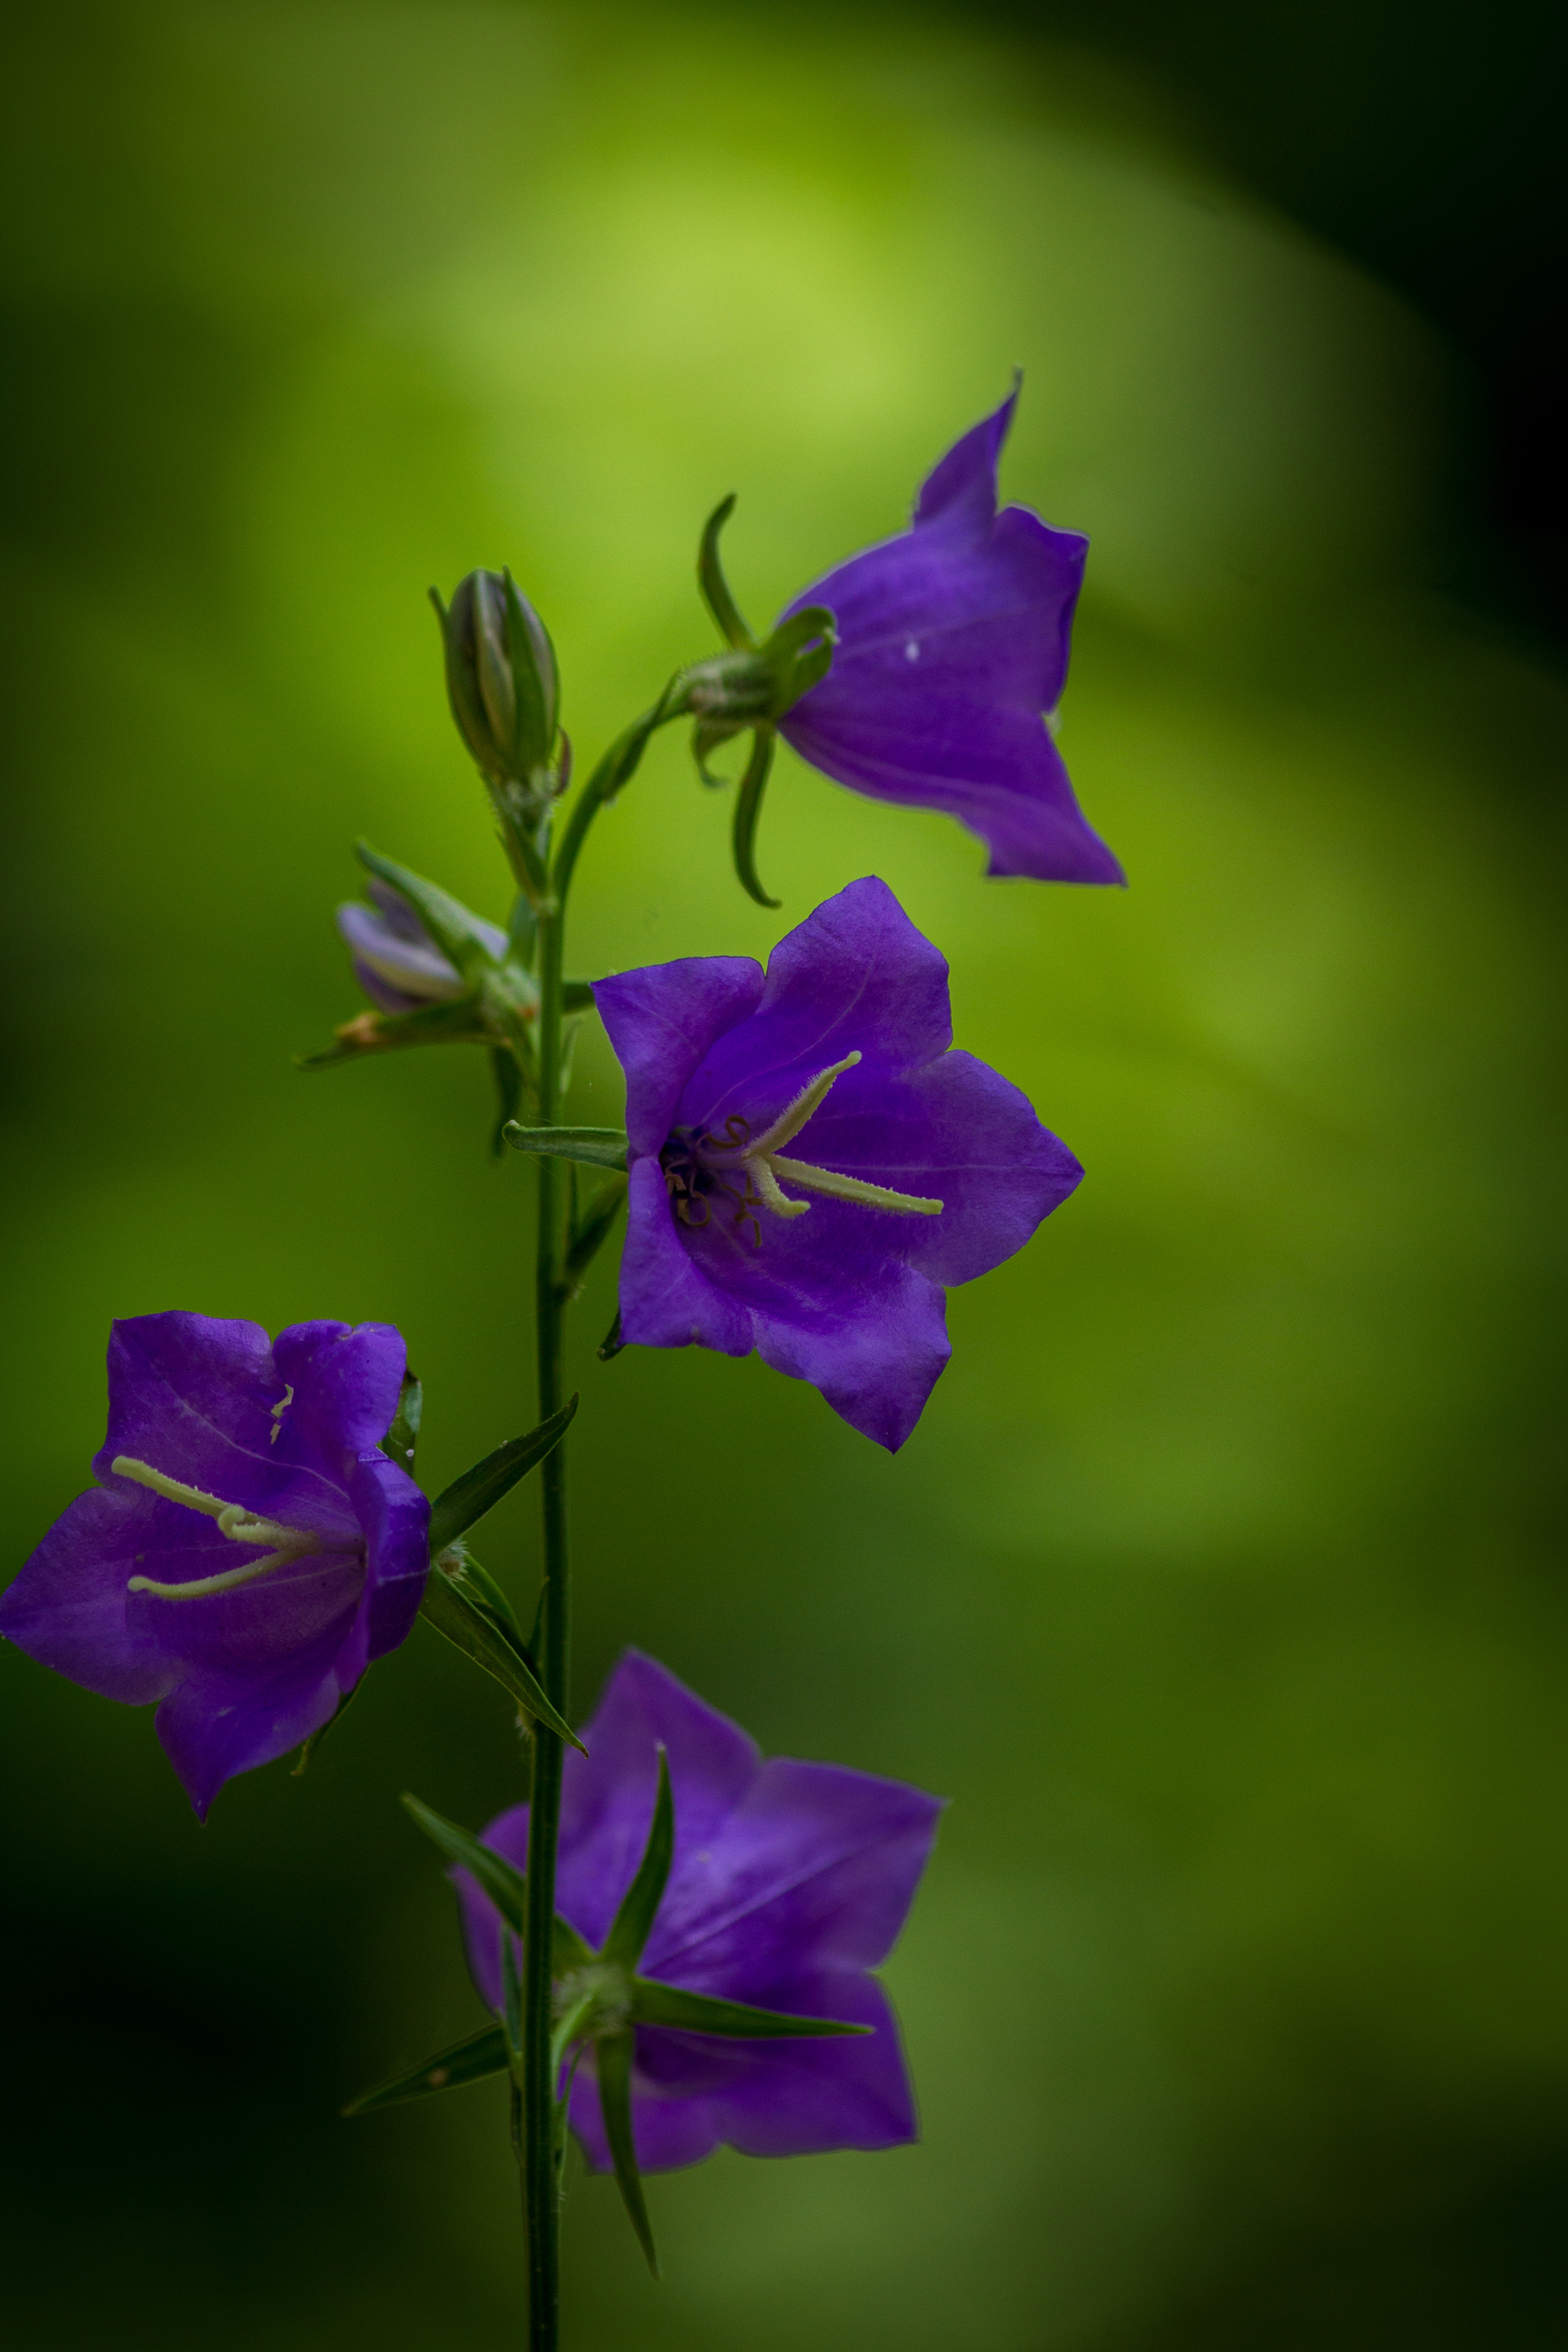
x,y
1219,1588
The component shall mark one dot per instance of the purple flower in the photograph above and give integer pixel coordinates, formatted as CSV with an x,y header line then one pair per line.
x,y
790,1882
811,1164
249,1549
951,656
396,962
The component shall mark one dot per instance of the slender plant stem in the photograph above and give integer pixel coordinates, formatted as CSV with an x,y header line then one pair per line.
x,y
540,2198
540,2192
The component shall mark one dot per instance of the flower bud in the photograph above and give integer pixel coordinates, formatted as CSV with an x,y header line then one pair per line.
x,y
500,678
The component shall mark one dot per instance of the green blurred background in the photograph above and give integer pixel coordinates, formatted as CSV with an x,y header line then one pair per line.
x,y
1218,1587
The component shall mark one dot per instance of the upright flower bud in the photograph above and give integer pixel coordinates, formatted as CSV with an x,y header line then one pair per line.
x,y
502,680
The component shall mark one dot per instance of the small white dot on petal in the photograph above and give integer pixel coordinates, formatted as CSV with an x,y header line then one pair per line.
x,y
912,651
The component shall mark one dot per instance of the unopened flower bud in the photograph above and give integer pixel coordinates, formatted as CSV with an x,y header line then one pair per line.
x,y
500,678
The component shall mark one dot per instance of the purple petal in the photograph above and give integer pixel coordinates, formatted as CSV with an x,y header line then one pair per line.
x,y
212,1726
661,1020
854,977
395,1516
666,1299
346,1385
414,969
953,643
385,999
958,497
956,1132
875,1359
67,1609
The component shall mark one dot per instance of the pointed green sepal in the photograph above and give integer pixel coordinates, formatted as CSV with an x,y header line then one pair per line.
x,y
453,927
590,1231
623,1947
715,588
465,1502
612,2061
505,1885
308,1747
748,809
471,1628
613,1341
482,2054
403,1437
595,1147
696,2013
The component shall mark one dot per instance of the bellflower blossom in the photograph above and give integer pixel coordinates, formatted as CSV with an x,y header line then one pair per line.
x,y
249,1549
951,653
810,1163
790,1883
396,962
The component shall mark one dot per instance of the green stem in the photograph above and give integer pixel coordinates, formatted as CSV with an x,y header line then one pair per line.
x,y
541,2201
540,2193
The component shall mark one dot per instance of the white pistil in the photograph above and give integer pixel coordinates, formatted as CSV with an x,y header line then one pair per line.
x,y
235,1522
764,1163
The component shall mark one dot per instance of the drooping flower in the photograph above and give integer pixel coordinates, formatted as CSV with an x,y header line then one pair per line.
x,y
789,1885
811,1164
950,658
395,960
248,1550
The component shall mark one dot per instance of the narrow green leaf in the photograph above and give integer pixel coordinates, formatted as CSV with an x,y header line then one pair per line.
x,y
472,1630
590,1231
454,928
748,809
465,1502
639,1905
480,1586
595,1146
482,2054
459,1024
698,2012
612,1343
403,1437
508,1095
309,1746
715,588
613,2059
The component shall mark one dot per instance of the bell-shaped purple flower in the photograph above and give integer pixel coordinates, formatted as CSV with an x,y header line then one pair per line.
x,y
951,656
790,1883
810,1162
248,1550
395,960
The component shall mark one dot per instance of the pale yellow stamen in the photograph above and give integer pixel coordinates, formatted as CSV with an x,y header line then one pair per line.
x,y
239,1525
765,1163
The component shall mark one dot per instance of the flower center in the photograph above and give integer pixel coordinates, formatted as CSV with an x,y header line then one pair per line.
x,y
239,1523
746,1172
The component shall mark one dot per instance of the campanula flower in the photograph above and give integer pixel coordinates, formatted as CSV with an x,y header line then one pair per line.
x,y
790,1883
951,657
810,1162
249,1548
